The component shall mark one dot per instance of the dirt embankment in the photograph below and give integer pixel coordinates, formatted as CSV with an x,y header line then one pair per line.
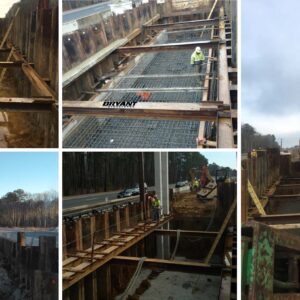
x,y
188,205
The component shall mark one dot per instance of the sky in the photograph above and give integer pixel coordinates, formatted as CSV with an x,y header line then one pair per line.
x,y
33,172
5,5
221,158
271,68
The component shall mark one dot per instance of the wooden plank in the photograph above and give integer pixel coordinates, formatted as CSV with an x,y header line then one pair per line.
x,y
170,47
69,260
255,199
37,81
10,64
14,104
144,110
181,25
152,90
224,126
109,250
187,232
188,266
3,72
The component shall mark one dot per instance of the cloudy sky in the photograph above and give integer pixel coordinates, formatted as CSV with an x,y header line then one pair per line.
x,y
271,67
5,5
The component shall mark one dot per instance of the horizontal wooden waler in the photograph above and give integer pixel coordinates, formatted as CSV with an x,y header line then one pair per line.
x,y
171,47
207,111
181,25
12,104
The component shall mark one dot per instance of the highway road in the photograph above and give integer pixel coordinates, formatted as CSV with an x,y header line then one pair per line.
x,y
91,199
79,13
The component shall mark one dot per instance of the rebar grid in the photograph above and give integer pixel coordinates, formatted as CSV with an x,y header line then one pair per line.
x,y
93,132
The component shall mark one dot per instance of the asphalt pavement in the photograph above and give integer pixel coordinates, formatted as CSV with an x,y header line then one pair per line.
x,y
91,199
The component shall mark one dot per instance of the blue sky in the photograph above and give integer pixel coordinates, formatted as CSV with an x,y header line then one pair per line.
x,y
33,172
221,158
271,67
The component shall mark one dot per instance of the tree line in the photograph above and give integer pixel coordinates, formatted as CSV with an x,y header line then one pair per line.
x,y
93,172
22,209
251,139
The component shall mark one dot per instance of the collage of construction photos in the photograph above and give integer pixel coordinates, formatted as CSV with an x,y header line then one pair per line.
x,y
149,150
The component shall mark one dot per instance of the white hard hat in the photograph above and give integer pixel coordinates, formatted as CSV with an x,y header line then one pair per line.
x,y
198,49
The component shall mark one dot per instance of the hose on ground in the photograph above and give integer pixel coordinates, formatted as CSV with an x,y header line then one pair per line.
x,y
176,245
133,279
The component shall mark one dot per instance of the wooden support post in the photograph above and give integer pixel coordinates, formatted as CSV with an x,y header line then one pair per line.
x,y
224,130
106,225
244,197
78,234
117,219
93,226
104,283
65,248
80,286
21,239
127,216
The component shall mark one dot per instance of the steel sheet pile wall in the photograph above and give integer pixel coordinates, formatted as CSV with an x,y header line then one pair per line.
x,y
35,34
262,169
94,34
36,268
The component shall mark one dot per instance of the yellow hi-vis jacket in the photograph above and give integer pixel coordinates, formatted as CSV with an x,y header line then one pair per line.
x,y
156,203
197,57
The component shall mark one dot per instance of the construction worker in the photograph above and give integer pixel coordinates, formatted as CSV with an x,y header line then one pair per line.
x,y
155,208
197,58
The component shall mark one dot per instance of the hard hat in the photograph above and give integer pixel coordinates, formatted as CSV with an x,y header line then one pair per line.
x,y
198,49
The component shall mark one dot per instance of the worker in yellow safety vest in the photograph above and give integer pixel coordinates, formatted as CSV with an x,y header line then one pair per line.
x,y
155,208
197,58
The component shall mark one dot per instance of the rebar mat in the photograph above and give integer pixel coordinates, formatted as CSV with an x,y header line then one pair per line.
x,y
93,132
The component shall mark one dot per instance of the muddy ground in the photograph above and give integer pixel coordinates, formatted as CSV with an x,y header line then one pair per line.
x,y
187,204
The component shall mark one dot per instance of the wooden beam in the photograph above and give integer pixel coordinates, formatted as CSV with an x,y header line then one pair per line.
x,y
26,104
174,265
181,25
221,232
224,126
42,88
145,110
170,47
187,233
152,90
10,64
37,82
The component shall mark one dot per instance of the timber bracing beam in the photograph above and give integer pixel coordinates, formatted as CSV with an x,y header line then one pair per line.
x,y
171,47
142,110
171,265
182,25
209,234
26,104
224,126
